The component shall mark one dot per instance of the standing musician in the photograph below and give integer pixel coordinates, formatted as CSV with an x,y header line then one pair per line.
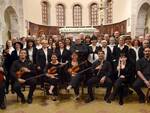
x,y
74,67
2,89
63,57
124,74
53,76
31,51
93,49
21,70
102,71
143,72
42,59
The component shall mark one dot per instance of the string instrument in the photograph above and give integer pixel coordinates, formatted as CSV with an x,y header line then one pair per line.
x,y
20,73
1,76
76,68
53,69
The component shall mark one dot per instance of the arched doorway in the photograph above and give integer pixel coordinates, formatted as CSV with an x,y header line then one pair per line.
x,y
143,20
11,23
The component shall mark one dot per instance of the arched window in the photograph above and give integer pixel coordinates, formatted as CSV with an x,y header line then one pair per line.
x,y
45,12
77,15
94,14
109,11
60,14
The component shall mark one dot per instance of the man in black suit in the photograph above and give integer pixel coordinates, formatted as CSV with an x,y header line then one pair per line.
x,y
107,51
143,72
21,70
43,58
80,48
31,51
102,72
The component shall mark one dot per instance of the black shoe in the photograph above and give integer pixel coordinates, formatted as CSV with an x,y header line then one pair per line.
x,y
108,100
121,102
141,101
23,101
3,106
29,101
12,91
54,98
89,99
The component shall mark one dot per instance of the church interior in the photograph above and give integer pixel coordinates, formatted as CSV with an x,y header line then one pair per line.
x,y
70,18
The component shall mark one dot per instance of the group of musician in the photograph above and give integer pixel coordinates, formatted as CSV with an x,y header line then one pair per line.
x,y
119,63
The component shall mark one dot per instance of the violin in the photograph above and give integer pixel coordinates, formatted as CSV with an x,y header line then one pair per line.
x,y
20,73
52,70
76,68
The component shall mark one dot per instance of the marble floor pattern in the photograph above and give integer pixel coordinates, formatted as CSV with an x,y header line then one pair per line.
x,y
42,104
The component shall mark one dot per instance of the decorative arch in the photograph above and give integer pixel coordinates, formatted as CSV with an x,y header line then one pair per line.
x,y
141,18
11,23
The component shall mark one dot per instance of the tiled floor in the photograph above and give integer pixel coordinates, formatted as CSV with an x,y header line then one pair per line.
x,y
66,104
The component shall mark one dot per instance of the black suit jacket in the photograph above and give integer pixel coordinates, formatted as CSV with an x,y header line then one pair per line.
x,y
33,55
65,56
91,50
13,56
41,58
140,53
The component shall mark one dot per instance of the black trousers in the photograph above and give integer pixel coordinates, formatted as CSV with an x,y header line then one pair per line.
x,y
138,84
32,85
2,92
120,88
95,80
55,82
75,82
9,81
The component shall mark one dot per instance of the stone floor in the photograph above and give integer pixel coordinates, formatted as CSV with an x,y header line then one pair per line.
x,y
66,104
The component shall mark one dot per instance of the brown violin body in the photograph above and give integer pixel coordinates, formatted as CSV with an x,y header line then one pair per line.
x,y
52,70
20,73
1,76
74,69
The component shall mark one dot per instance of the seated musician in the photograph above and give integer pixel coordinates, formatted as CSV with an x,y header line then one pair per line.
x,y
74,67
143,72
2,89
53,76
101,74
124,74
21,70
